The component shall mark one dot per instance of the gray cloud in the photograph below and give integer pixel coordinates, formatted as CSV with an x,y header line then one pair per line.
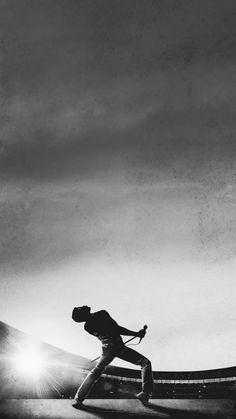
x,y
43,223
139,94
79,78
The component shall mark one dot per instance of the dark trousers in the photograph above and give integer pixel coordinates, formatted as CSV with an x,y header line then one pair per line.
x,y
109,352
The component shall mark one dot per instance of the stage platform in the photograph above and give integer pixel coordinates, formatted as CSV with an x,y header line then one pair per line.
x,y
119,408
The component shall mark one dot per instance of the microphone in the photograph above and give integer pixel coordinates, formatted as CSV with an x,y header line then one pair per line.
x,y
144,328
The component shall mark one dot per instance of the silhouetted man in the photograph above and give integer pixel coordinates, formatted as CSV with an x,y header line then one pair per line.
x,y
101,325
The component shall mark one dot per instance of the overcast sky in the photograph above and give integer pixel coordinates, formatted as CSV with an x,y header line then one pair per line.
x,y
118,176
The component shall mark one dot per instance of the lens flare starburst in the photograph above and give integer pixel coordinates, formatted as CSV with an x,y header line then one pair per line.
x,y
35,370
30,363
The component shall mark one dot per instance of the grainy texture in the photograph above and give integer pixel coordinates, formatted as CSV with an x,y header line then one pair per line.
x,y
117,165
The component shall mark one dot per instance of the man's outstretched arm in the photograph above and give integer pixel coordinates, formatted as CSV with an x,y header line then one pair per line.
x,y
126,332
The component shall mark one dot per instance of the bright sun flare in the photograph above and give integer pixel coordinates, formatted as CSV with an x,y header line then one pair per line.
x,y
30,363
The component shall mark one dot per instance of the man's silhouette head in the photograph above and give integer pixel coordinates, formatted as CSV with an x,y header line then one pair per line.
x,y
81,314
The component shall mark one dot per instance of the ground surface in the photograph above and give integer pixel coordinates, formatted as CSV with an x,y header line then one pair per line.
x,y
174,409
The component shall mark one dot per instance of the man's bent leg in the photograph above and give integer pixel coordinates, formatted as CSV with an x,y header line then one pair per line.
x,y
93,376
146,368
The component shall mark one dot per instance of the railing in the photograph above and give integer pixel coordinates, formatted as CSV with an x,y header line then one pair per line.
x,y
174,381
